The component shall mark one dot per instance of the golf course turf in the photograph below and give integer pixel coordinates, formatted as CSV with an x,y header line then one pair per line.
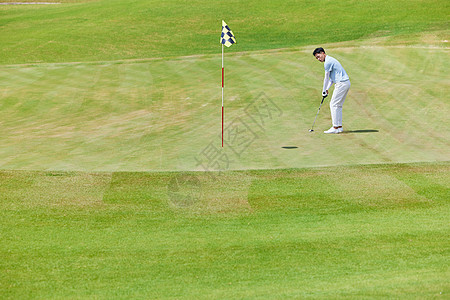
x,y
380,231
114,184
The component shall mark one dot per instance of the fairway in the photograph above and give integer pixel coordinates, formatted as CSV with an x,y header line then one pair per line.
x,y
114,184
258,234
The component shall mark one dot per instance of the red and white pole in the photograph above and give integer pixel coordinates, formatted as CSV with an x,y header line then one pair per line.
x,y
222,94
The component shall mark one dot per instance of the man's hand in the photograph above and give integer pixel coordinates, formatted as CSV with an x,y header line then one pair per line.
x,y
325,94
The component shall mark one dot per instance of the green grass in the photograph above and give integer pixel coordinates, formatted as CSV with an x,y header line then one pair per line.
x,y
380,231
161,114
107,109
128,110
115,29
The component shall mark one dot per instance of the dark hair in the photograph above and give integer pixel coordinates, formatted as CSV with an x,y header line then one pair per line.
x,y
318,50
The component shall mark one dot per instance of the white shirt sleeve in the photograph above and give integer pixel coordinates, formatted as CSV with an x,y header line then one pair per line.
x,y
327,82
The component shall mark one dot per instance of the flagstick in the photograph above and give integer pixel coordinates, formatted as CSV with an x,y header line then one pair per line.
x,y
222,95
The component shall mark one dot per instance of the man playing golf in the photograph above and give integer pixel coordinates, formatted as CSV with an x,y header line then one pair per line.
x,y
334,73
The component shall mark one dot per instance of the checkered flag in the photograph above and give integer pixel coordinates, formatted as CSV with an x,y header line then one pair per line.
x,y
227,37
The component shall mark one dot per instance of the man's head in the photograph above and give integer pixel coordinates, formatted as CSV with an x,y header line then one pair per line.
x,y
319,53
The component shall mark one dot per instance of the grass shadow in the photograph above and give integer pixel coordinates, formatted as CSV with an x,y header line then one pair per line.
x,y
361,131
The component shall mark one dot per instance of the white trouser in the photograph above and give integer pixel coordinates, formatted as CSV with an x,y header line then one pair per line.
x,y
337,101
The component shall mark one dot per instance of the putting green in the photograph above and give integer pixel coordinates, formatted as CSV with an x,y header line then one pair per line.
x,y
165,114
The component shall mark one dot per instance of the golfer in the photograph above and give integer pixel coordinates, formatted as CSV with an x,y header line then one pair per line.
x,y
334,73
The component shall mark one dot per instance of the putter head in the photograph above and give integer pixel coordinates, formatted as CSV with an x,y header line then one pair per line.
x,y
311,130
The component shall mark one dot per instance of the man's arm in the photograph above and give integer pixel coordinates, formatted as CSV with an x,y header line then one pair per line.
x,y
326,84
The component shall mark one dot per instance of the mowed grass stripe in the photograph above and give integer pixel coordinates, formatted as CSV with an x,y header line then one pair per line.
x,y
298,233
389,86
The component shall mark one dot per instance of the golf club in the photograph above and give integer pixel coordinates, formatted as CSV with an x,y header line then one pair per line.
x,y
311,130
